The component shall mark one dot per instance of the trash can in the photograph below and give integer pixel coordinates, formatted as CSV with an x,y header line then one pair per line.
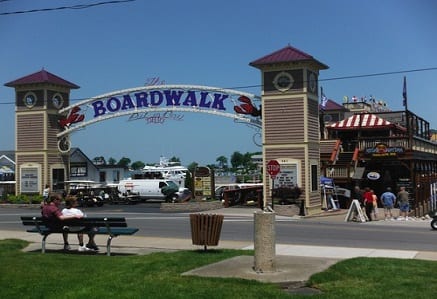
x,y
206,229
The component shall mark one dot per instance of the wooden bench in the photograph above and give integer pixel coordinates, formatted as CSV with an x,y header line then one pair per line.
x,y
111,226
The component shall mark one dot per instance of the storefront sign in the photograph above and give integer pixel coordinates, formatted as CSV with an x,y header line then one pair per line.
x,y
287,177
29,180
373,175
203,182
382,150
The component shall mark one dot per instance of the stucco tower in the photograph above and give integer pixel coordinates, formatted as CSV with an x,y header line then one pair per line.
x,y
290,113
38,98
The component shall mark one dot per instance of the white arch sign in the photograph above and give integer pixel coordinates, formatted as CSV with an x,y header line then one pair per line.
x,y
159,98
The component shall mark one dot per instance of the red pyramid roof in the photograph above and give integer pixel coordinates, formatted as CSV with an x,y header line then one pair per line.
x,y
287,54
42,77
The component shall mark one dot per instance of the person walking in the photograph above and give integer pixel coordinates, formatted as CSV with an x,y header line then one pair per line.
x,y
404,204
368,203
388,200
45,195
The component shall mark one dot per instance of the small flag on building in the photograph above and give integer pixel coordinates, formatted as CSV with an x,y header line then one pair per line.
x,y
324,99
404,92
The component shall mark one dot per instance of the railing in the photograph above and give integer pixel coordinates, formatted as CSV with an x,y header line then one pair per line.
x,y
418,144
338,172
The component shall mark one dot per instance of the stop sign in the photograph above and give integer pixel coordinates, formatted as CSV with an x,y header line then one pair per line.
x,y
273,168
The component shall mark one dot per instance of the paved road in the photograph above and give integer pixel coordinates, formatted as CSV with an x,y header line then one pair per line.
x,y
238,226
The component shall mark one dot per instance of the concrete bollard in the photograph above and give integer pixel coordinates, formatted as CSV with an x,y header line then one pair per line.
x,y
264,242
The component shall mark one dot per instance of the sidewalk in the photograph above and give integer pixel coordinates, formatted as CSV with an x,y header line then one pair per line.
x,y
294,263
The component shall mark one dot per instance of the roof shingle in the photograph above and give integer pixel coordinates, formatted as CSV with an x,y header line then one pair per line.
x,y
287,54
42,77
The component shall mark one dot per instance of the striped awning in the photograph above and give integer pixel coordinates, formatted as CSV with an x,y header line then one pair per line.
x,y
362,121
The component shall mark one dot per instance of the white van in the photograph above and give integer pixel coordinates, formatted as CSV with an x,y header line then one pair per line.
x,y
152,189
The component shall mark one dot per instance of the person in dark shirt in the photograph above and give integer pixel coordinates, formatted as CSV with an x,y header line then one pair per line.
x,y
53,217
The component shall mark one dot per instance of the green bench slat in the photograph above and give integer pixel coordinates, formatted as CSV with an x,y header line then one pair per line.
x,y
117,231
118,225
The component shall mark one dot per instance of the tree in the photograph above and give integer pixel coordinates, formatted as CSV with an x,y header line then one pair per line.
x,y
112,161
237,160
137,165
247,162
189,183
222,162
124,162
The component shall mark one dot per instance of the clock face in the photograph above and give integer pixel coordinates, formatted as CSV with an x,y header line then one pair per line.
x,y
29,100
283,81
64,145
312,83
57,101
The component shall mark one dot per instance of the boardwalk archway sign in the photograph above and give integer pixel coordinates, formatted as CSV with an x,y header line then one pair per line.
x,y
166,99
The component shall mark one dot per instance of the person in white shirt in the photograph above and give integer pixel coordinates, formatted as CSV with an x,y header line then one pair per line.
x,y
71,210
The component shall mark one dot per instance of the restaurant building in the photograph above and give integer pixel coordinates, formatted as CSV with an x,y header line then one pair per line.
x,y
370,146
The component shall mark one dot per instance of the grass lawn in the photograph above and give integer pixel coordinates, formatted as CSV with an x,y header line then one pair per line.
x,y
59,275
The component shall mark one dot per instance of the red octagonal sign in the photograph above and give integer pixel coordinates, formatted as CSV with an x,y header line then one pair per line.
x,y
273,168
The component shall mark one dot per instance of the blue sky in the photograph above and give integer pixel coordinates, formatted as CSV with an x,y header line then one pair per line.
x,y
119,46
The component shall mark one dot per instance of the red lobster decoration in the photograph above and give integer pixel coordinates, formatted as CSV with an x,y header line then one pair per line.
x,y
247,107
73,117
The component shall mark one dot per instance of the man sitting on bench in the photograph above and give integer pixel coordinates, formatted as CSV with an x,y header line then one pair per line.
x,y
54,219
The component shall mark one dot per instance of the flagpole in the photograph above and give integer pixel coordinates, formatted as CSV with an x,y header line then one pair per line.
x,y
405,103
404,94
321,116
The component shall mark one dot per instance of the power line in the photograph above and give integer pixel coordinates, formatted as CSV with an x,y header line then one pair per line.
x,y
380,74
78,6
353,76
327,79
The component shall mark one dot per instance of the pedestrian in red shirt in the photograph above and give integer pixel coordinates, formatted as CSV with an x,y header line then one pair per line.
x,y
368,202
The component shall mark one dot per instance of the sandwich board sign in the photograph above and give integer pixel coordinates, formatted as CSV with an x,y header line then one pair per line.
x,y
355,213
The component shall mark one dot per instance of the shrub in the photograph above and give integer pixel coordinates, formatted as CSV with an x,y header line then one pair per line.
x,y
24,198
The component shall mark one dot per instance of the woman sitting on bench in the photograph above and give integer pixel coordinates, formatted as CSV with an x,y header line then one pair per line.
x,y
55,220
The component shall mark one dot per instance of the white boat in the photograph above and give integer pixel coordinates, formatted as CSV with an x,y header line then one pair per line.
x,y
164,170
